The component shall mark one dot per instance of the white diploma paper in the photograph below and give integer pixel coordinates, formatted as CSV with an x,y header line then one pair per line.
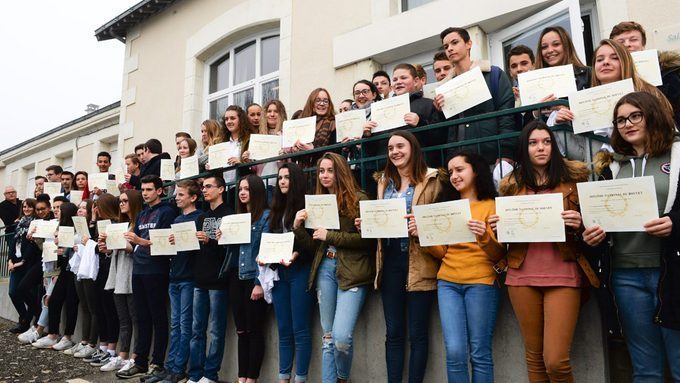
x,y
102,225
264,146
463,92
80,225
52,189
647,66
302,129
45,229
98,180
49,251
531,218
389,113
167,169
350,124
160,242
112,188
593,108
189,166
218,156
115,235
275,247
537,84
235,229
622,205
322,212
66,236
444,223
185,236
383,218
76,197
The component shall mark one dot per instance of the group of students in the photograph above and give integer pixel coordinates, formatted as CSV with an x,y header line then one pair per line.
x,y
119,289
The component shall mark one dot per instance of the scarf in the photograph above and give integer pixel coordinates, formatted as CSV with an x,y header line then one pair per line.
x,y
22,228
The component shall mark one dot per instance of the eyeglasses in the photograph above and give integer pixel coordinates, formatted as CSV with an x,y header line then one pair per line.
x,y
123,201
322,101
11,192
365,92
634,118
208,187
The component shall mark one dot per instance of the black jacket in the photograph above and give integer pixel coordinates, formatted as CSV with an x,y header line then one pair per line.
x,y
152,167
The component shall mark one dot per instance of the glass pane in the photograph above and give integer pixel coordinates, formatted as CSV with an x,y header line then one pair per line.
x,y
410,4
219,74
218,107
270,91
270,55
244,63
244,98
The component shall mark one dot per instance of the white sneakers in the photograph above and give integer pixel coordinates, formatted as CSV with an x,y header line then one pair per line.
x,y
85,352
127,364
29,336
63,344
77,347
45,342
114,364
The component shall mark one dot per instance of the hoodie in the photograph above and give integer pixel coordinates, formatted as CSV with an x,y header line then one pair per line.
x,y
159,216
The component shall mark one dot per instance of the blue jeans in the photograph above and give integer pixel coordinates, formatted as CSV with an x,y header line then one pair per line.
x,y
181,316
468,317
649,345
418,305
337,325
293,306
212,304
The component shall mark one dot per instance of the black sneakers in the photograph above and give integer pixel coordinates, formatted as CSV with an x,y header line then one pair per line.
x,y
104,358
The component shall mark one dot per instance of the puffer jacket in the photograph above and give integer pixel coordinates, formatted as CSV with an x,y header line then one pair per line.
x,y
572,249
422,267
670,74
355,263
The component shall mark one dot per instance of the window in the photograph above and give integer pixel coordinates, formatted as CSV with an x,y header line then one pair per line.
x,y
247,72
407,5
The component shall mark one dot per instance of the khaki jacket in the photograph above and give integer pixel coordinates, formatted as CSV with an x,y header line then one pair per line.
x,y
422,267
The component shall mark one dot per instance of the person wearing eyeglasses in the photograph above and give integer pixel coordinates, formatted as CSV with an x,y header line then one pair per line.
x,y
10,209
318,104
643,266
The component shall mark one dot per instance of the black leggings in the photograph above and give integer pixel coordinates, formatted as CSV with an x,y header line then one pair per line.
x,y
30,291
249,318
63,295
106,307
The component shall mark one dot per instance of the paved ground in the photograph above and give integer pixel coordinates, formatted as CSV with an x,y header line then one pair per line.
x,y
24,364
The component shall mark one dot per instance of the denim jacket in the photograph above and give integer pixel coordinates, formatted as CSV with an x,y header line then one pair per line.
x,y
247,252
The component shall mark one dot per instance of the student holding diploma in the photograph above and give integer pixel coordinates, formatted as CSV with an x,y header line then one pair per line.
x,y
466,287
343,266
275,115
645,143
318,104
236,136
544,279
292,301
406,273
245,293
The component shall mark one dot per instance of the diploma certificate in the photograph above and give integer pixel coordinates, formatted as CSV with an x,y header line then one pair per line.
x,y
49,251
235,229
647,66
531,218
66,236
167,169
389,113
275,247
537,84
160,242
115,235
264,146
350,124
76,197
593,108
189,166
302,129
52,189
463,92
383,218
45,229
185,236
112,188
621,205
322,212
80,225
444,223
98,180
218,156
102,225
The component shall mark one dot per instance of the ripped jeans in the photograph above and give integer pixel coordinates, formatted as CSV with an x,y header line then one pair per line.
x,y
337,325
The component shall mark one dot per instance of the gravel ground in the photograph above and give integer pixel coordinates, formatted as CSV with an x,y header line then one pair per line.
x,y
25,364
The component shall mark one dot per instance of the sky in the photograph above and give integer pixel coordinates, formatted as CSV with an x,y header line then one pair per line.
x,y
52,66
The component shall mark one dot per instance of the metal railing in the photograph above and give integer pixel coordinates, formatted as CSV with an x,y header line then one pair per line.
x,y
5,240
363,159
